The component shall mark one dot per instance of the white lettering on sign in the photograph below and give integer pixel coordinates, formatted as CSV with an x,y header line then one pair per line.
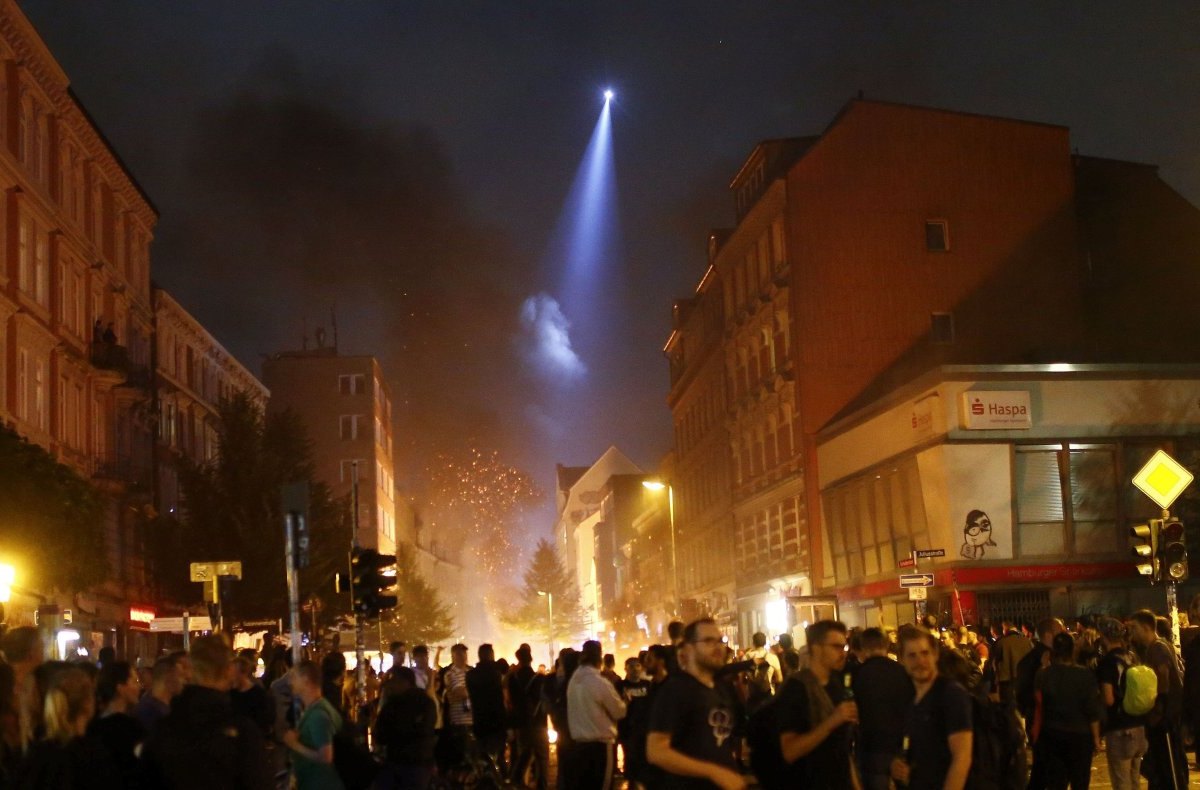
x,y
984,410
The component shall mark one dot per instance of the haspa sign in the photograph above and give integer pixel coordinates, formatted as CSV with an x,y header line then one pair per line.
x,y
988,410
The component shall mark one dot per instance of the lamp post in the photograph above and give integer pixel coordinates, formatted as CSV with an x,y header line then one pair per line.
x,y
658,485
549,596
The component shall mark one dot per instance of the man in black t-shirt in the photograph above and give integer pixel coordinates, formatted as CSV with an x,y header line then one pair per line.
x,y
815,713
692,722
881,689
937,733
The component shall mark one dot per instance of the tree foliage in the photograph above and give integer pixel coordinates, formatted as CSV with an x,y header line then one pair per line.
x,y
51,519
420,616
547,573
233,511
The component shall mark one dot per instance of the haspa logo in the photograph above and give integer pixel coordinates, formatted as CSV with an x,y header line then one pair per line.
x,y
977,407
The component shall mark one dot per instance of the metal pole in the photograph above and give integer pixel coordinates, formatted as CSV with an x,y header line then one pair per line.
x,y
360,635
187,635
550,607
1172,600
293,582
920,605
674,565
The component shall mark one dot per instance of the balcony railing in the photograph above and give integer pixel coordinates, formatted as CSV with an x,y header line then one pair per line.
x,y
110,356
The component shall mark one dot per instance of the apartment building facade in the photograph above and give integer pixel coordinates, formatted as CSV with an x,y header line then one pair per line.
x,y
346,406
75,310
194,373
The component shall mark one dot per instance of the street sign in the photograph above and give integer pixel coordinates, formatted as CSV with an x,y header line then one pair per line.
x,y
202,571
232,568
907,562
1162,479
916,580
175,624
924,553
918,593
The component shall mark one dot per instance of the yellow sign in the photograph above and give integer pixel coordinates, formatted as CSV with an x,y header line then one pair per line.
x,y
1162,479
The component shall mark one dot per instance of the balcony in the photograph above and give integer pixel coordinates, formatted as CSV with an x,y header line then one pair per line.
x,y
110,361
123,468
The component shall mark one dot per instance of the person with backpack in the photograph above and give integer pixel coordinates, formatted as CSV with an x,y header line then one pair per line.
x,y
938,734
881,688
1165,765
1066,719
816,711
1124,732
765,674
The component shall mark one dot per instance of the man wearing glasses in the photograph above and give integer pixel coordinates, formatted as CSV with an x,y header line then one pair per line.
x,y
692,719
815,714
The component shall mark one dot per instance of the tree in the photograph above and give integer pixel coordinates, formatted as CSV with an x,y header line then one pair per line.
x,y
546,573
51,519
233,511
420,616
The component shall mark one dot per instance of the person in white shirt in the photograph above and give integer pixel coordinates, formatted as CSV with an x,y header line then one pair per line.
x,y
593,709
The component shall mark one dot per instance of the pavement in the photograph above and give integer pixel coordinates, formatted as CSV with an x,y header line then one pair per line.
x,y
1100,774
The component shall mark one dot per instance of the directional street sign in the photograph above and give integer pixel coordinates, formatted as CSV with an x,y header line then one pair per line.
x,y
175,624
916,580
924,553
918,593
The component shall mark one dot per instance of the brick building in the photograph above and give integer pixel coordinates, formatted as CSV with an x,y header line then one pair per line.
x,y
898,240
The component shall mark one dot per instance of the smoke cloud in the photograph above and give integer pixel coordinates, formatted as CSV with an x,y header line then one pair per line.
x,y
302,204
546,340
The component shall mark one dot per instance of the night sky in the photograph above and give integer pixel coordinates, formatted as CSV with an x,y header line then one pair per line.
x,y
407,164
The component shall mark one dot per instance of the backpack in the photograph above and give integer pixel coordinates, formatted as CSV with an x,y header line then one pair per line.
x,y
759,685
1138,689
998,758
766,754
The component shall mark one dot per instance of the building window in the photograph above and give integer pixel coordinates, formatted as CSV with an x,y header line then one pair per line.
x,y
1067,500
352,384
349,425
942,328
875,520
346,469
937,235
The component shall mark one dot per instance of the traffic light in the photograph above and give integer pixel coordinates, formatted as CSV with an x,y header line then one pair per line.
x,y
1145,548
1173,565
368,572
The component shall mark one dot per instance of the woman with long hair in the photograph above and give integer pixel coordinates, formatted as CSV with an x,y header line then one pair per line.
x,y
64,759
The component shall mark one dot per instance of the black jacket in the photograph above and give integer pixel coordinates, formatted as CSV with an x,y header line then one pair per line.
x,y
203,744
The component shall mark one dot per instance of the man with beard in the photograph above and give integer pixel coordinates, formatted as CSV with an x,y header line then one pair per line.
x,y
937,734
815,714
691,721
1165,765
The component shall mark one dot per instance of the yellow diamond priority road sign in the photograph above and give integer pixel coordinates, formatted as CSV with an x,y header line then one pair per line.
x,y
1162,479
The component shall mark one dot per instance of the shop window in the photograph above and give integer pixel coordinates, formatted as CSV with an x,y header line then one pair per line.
x,y
1093,477
1040,515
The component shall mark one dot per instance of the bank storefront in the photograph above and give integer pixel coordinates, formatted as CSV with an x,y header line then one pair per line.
x,y
1017,476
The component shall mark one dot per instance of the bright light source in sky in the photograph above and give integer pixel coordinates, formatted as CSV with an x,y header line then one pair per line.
x,y
608,94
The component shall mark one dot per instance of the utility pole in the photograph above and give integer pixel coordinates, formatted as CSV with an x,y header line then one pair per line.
x,y
360,636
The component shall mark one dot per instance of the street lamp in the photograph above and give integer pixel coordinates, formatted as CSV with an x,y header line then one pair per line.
x,y
658,485
549,596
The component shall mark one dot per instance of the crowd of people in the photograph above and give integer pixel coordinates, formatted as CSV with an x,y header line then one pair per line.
x,y
1013,706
